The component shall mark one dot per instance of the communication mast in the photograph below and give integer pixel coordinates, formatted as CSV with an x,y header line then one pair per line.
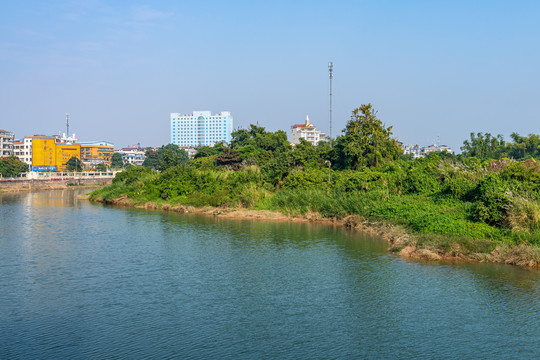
x,y
67,125
331,73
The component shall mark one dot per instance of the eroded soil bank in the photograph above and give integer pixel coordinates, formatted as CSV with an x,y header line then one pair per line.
x,y
401,242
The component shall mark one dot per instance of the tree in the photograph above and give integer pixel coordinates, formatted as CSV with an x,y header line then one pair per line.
x,y
116,161
260,138
366,141
229,159
524,147
151,159
74,164
11,166
171,155
484,146
101,168
206,151
306,155
165,157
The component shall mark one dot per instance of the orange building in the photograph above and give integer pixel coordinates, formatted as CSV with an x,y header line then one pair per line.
x,y
64,152
97,152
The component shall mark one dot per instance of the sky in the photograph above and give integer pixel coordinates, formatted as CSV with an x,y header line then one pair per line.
x,y
434,70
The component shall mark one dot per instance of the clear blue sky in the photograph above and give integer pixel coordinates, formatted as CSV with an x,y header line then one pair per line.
x,y
119,68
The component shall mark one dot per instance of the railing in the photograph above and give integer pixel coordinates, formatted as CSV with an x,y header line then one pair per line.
x,y
60,175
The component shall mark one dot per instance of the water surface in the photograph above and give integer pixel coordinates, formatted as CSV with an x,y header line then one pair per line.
x,y
79,280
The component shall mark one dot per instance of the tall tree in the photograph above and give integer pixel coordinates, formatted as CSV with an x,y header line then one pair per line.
x,y
116,161
11,166
74,164
171,155
101,168
484,146
151,159
366,141
524,147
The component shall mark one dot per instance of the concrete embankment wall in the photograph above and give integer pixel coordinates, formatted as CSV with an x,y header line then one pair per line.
x,y
22,185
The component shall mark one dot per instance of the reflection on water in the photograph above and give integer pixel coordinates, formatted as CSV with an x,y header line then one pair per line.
x,y
79,280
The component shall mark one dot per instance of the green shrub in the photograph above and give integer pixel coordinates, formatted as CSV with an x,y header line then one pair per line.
x,y
419,181
460,188
492,198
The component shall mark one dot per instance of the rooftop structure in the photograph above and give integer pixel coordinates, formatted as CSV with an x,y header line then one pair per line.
x,y
306,131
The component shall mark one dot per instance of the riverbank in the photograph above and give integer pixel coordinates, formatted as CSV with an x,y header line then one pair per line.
x,y
30,185
402,242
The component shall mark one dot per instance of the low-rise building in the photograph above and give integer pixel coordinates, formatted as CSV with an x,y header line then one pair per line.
x,y
418,151
133,155
6,143
94,153
306,131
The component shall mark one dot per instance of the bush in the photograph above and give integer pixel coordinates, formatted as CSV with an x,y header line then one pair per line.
x,y
420,182
492,198
460,188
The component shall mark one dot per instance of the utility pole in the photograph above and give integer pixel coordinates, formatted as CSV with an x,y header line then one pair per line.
x,y
331,74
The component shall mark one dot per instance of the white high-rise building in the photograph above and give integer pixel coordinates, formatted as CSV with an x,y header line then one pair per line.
x,y
306,131
201,128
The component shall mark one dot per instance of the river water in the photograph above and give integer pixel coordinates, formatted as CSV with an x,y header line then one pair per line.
x,y
80,280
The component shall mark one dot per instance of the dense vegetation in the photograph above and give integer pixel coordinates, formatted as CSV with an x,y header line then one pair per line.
x,y
11,166
74,164
475,199
165,157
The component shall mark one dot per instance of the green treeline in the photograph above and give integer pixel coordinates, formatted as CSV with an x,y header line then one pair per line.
x,y
477,199
11,166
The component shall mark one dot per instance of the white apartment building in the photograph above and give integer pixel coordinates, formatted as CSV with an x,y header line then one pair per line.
x,y
132,155
201,128
306,131
23,149
6,143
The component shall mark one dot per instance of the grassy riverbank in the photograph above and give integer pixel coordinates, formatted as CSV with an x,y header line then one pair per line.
x,y
431,208
479,205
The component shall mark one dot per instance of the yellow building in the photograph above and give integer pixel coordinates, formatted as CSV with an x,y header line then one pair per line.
x,y
64,152
49,153
97,152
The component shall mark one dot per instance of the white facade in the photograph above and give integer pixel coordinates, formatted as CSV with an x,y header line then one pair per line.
x,y
133,156
421,151
6,143
306,131
201,128
23,150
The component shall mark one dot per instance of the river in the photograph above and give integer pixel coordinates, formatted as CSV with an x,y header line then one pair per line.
x,y
80,280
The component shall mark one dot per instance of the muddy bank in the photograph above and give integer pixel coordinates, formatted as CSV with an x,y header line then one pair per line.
x,y
401,242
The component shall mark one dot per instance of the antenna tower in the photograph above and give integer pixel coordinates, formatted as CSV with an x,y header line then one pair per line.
x,y
67,124
331,74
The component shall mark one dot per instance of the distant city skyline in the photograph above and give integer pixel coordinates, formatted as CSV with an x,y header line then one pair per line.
x,y
430,69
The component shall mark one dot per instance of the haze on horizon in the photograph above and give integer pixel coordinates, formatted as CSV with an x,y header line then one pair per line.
x,y
444,68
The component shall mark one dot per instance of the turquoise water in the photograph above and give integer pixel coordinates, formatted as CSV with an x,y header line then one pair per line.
x,y
79,280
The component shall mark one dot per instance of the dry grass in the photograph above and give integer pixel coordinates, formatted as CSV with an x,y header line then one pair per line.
x,y
523,215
